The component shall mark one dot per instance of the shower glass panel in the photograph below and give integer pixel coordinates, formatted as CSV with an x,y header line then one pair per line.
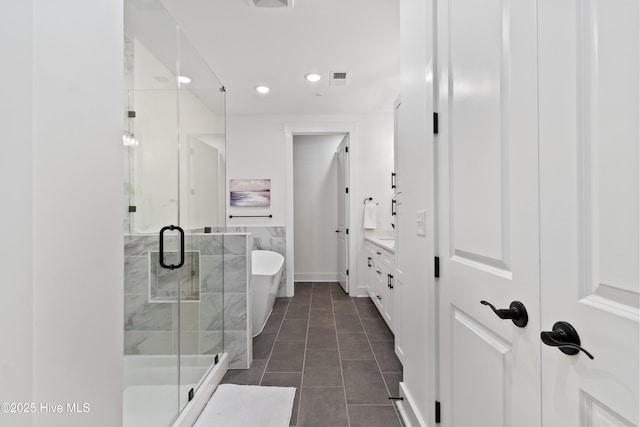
x,y
201,104
174,157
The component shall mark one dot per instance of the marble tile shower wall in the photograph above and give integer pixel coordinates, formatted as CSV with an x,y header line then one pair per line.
x,y
217,321
269,239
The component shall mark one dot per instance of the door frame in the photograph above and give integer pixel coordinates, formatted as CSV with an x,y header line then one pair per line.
x,y
319,128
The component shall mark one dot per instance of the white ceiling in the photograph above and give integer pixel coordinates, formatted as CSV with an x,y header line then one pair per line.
x,y
247,46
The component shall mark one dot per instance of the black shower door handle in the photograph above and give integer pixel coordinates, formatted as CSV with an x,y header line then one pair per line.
x,y
181,263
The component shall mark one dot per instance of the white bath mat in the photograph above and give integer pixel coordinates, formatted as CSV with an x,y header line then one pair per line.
x,y
248,406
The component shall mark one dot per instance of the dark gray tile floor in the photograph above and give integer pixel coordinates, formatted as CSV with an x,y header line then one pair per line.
x,y
336,350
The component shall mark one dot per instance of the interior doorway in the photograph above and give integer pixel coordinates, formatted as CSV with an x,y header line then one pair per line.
x,y
320,209
319,128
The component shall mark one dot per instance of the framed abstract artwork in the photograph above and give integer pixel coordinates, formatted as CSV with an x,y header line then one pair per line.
x,y
250,192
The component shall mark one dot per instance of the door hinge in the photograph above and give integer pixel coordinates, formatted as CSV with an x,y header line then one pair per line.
x,y
191,393
346,190
437,412
347,271
436,266
131,114
223,89
346,149
435,123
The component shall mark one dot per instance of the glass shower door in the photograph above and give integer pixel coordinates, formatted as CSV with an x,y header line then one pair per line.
x,y
151,278
201,103
152,203
174,198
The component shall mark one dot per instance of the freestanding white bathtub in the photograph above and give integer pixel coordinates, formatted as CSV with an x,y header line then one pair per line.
x,y
266,270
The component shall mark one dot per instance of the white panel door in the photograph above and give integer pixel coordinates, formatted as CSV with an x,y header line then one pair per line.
x,y
589,136
343,214
488,212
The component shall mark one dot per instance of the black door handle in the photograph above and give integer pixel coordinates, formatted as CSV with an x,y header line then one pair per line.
x,y
565,337
516,312
393,180
337,231
393,207
368,261
181,263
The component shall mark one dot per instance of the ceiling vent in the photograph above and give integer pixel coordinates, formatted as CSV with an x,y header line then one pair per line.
x,y
271,3
338,79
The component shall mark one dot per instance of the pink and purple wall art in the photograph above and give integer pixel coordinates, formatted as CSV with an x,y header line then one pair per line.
x,y
250,192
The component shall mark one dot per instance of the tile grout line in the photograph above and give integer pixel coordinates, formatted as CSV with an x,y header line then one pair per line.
x,y
344,384
375,357
304,354
274,341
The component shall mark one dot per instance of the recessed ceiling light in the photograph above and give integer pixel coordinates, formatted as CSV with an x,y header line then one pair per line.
x,y
271,3
184,79
312,77
262,89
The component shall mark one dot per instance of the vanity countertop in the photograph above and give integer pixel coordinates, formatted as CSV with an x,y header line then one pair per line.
x,y
386,239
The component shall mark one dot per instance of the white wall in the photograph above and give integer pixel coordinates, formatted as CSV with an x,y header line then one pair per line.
x,y
256,149
62,244
415,253
375,162
16,247
315,207
203,184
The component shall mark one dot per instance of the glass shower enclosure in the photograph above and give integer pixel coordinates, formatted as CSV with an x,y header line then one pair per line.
x,y
174,203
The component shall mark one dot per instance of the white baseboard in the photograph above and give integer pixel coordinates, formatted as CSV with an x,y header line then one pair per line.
x,y
358,291
192,411
405,407
315,277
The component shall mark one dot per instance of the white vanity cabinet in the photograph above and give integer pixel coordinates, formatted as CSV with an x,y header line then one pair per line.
x,y
380,281
373,277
